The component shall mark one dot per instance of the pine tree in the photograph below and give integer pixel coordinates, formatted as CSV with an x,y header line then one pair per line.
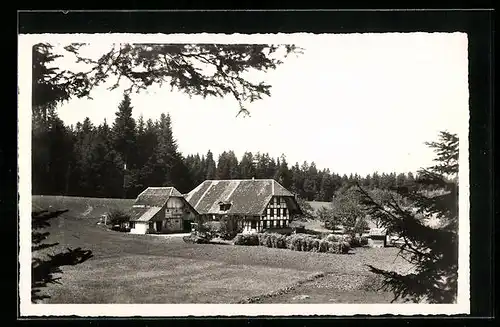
x,y
431,249
284,175
105,166
246,166
147,144
233,164
375,181
52,154
222,170
49,90
401,180
297,180
169,169
124,134
210,166
327,187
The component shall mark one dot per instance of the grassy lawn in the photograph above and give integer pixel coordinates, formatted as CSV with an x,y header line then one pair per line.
x,y
147,269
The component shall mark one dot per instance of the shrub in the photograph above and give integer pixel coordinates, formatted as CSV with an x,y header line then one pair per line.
x,y
283,231
344,248
311,232
262,238
315,246
229,229
359,241
273,240
196,239
347,238
280,241
333,238
246,239
323,246
294,242
117,219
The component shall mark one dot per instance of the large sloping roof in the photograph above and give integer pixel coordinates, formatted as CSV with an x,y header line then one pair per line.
x,y
151,200
247,196
156,196
143,213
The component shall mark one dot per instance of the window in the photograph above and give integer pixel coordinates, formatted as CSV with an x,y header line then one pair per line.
x,y
224,206
264,224
284,212
271,213
271,223
132,224
278,212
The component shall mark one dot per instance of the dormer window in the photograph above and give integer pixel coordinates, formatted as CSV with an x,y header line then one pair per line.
x,y
224,206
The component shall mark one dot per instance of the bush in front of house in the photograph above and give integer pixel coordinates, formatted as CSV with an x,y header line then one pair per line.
x,y
246,239
272,240
283,231
117,219
295,242
196,239
339,247
228,229
334,238
359,241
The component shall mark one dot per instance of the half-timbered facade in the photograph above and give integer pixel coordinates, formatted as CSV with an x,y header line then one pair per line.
x,y
161,210
252,204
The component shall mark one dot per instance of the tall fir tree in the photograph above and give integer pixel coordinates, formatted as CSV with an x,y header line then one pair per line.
x,y
432,249
124,133
210,166
327,187
125,143
284,175
246,166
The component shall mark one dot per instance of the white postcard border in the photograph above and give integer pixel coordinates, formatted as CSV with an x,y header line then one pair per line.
x,y
26,308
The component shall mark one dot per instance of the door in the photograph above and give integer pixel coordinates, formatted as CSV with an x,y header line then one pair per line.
x,y
158,226
186,225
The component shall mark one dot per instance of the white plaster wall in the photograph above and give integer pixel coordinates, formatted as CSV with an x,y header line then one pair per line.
x,y
139,228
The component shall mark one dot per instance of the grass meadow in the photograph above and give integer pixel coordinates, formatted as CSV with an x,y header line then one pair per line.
x,y
155,269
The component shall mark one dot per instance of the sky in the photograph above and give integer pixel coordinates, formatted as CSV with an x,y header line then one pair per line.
x,y
353,103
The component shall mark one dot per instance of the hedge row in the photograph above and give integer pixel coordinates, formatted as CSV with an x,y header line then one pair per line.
x,y
354,242
296,242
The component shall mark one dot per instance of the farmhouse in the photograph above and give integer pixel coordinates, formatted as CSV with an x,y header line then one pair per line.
x,y
161,210
252,204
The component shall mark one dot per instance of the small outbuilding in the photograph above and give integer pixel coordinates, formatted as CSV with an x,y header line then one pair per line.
x,y
378,237
161,210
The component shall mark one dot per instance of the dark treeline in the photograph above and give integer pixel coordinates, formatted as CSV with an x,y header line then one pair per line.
x,y
123,158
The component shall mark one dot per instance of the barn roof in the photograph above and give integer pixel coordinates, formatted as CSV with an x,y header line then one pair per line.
x,y
247,196
156,196
151,200
143,213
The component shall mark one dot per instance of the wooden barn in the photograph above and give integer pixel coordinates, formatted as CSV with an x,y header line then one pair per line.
x,y
253,204
161,210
